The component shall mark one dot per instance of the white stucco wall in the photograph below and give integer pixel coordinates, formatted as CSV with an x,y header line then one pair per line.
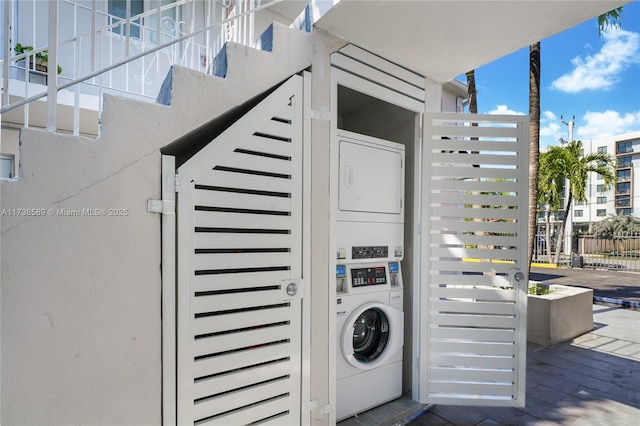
x,y
80,295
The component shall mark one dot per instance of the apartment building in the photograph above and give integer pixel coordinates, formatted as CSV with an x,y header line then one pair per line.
x,y
624,197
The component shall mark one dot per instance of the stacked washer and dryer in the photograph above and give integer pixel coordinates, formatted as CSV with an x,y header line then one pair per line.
x,y
369,294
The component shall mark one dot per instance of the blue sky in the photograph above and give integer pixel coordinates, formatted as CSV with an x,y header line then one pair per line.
x,y
594,78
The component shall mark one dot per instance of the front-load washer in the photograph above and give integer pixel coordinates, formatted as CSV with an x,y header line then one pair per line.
x,y
370,330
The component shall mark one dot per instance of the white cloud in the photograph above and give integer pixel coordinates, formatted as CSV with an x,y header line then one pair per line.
x,y
504,110
602,69
607,123
550,129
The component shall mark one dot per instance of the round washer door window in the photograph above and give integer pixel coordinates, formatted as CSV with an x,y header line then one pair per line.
x,y
370,335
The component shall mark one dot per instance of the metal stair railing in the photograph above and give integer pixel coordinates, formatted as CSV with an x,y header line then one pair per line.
x,y
168,35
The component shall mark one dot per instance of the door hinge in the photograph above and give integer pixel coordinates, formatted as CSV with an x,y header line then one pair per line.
x,y
176,182
314,405
161,206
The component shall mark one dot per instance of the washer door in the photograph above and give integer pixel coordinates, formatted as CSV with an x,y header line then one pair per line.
x,y
372,334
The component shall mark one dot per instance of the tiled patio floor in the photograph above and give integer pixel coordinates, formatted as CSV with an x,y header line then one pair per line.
x,y
592,380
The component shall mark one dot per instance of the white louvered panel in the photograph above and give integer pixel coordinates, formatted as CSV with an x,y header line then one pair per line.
x,y
372,74
242,201
497,201
486,376
254,318
494,240
474,227
474,253
241,398
472,362
482,390
249,179
473,172
284,112
241,160
241,220
226,261
276,128
474,307
205,240
472,348
477,213
505,227
383,65
491,267
474,185
461,320
472,158
223,363
273,421
238,281
493,132
471,280
480,293
486,335
263,143
240,378
275,409
240,212
221,302
466,145
240,340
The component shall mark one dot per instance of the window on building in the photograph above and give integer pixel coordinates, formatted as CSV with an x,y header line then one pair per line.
x,y
624,161
624,212
623,175
622,147
117,10
601,212
578,213
600,188
6,166
601,200
580,203
623,201
602,150
623,188
599,176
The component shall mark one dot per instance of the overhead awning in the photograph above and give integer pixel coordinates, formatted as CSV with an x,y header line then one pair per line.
x,y
443,39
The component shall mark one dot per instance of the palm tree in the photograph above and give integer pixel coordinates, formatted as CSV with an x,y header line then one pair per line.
x,y
534,144
605,21
568,163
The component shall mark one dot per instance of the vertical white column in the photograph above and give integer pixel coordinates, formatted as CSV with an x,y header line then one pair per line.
x,y
52,71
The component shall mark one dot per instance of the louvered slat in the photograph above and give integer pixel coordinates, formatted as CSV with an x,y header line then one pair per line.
x,y
239,379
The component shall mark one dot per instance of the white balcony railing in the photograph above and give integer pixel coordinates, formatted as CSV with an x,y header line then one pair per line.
x,y
99,53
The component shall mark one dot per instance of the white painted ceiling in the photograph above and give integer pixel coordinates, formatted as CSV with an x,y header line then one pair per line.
x,y
443,39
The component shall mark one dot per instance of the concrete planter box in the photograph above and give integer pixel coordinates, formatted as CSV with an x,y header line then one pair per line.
x,y
565,313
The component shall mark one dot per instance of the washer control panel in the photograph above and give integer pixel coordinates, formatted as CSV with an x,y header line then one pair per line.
x,y
368,276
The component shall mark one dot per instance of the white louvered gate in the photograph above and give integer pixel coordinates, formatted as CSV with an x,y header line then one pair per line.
x,y
239,316
473,267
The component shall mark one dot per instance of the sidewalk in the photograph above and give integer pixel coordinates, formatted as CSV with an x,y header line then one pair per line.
x,y
592,380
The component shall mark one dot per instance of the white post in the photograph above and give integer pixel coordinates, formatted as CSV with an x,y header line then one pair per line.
x,y
52,66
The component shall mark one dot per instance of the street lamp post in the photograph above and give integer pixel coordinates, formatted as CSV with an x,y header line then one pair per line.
x,y
569,229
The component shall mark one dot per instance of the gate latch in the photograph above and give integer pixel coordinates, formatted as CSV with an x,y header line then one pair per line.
x,y
161,206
